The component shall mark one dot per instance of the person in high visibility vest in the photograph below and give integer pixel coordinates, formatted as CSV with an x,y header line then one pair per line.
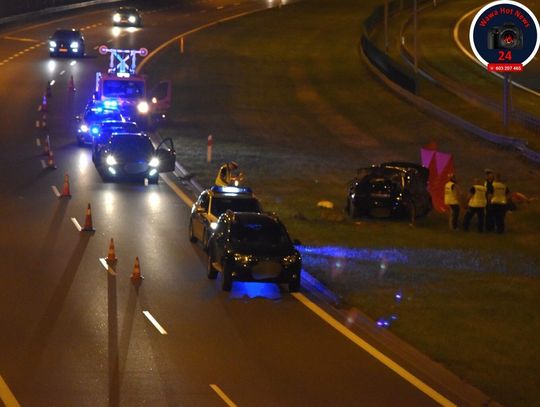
x,y
225,176
476,206
451,199
499,203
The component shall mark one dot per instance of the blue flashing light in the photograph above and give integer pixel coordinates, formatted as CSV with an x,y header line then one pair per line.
x,y
111,104
94,130
231,190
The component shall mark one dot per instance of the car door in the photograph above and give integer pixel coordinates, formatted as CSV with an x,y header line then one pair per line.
x,y
220,237
166,155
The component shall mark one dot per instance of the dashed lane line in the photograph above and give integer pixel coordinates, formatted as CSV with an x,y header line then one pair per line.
x,y
7,37
77,224
56,191
155,323
222,395
6,395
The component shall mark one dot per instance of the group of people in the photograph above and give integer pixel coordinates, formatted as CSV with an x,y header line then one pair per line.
x,y
487,201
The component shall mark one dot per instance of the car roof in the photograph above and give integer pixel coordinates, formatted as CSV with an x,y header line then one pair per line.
x,y
128,8
67,31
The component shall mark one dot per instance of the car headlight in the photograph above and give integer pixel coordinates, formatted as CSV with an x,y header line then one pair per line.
x,y
52,44
143,107
116,18
213,225
154,162
291,259
243,258
110,160
84,128
74,44
132,19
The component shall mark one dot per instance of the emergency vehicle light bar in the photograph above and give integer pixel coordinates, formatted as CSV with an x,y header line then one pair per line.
x,y
126,60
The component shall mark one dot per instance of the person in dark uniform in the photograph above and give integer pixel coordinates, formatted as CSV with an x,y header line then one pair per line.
x,y
499,203
490,217
477,205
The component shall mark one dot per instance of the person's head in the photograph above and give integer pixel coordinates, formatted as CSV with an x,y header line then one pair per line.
x,y
233,165
489,174
452,177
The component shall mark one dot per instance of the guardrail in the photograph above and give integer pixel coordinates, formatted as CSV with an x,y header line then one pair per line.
x,y
404,82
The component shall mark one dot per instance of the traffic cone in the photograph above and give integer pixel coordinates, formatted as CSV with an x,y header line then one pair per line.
x,y
111,255
44,103
50,160
46,145
71,86
65,190
88,221
136,275
48,90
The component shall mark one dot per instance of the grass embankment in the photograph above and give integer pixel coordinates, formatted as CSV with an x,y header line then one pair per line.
x,y
285,94
437,52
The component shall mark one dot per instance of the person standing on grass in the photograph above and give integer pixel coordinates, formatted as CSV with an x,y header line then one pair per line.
x,y
476,206
488,183
225,176
451,199
499,202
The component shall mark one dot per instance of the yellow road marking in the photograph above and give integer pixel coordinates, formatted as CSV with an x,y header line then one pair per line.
x,y
385,360
7,37
222,395
7,396
187,200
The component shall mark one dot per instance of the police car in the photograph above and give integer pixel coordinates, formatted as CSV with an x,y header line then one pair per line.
x,y
90,120
127,156
212,203
253,247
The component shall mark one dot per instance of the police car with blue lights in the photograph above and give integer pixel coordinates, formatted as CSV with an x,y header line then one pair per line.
x,y
253,247
89,122
132,156
212,203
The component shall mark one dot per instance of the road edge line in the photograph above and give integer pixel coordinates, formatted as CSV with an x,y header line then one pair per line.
x,y
6,395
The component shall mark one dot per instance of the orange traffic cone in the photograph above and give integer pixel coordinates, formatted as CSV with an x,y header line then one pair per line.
x,y
136,275
111,255
46,145
65,190
71,86
50,160
88,221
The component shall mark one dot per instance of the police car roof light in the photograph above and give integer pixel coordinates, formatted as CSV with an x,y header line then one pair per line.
x,y
231,190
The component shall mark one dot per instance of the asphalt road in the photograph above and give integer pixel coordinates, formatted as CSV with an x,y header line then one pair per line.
x,y
73,334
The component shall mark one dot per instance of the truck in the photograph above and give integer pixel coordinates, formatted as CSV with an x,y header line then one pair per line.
x,y
123,87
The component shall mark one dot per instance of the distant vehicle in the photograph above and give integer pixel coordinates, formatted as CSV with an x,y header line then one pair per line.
x,y
132,156
212,203
393,189
66,43
127,16
90,121
253,247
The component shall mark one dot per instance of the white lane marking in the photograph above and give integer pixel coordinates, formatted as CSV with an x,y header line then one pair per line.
x,y
222,395
7,37
6,395
62,72
37,123
381,357
106,266
38,142
56,191
187,200
219,7
96,47
155,323
110,40
76,223
43,164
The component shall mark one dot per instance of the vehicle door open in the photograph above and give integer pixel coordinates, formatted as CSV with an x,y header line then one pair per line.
x,y
166,155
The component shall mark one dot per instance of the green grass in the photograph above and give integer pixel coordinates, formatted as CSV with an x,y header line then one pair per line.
x,y
285,94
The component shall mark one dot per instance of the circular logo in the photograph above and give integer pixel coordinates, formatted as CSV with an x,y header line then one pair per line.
x,y
504,33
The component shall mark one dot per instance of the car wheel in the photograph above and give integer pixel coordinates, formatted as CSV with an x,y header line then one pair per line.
x,y
192,237
226,283
211,272
353,212
294,286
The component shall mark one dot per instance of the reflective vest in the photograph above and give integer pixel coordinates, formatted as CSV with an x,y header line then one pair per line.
x,y
224,176
499,193
450,194
478,200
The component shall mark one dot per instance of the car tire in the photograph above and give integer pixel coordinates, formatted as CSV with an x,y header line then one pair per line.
x,y
211,272
294,286
353,212
192,237
226,283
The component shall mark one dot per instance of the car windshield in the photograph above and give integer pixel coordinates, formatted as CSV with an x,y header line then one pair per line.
x,y
221,204
123,88
124,127
98,115
385,185
66,34
265,234
134,146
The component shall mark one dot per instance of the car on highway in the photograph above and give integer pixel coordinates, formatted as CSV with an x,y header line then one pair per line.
x,y
107,127
212,203
89,122
253,247
127,16
392,189
66,42
130,156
